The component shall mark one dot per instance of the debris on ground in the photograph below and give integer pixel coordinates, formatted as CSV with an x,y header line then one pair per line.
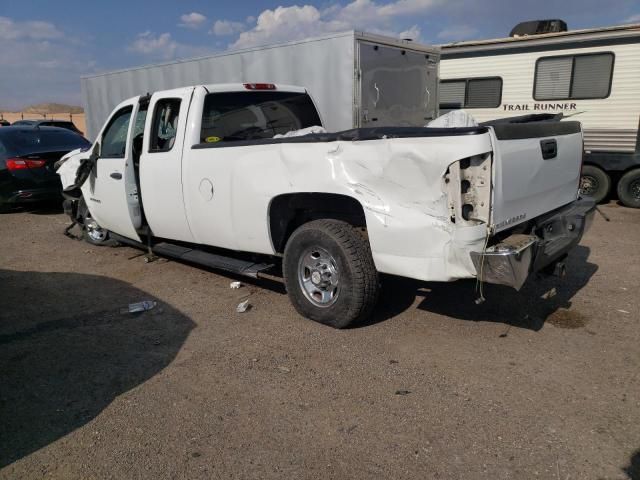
x,y
622,311
243,306
403,392
284,369
549,294
138,307
234,285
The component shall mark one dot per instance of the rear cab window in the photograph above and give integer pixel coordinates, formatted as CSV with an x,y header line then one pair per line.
x,y
241,116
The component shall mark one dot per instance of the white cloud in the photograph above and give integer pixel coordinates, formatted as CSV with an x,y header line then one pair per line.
x,y
192,20
45,51
222,28
456,33
29,30
297,22
147,43
633,19
412,33
163,47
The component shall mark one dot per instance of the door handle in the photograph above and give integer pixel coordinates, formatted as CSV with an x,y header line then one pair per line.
x,y
549,149
375,102
116,175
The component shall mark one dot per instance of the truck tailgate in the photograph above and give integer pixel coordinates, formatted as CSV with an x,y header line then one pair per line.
x,y
536,169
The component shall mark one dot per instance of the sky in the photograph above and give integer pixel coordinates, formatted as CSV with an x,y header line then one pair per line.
x,y
46,46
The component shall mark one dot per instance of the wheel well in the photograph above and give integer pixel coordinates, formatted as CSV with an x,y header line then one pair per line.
x,y
287,212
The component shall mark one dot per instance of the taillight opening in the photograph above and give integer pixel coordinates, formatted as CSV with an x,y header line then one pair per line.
x,y
24,164
259,86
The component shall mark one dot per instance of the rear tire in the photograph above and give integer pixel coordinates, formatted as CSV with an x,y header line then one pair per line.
x,y
594,183
329,273
629,188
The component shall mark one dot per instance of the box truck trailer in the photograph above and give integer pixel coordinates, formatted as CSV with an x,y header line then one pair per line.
x,y
357,79
590,75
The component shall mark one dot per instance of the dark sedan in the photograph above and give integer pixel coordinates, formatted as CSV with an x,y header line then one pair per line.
x,y
27,155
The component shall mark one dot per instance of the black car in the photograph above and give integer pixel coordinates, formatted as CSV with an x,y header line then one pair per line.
x,y
27,155
4,123
69,125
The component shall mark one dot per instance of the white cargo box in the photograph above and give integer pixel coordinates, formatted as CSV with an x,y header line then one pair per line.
x,y
357,79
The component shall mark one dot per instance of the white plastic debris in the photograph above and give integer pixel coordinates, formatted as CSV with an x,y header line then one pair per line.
x,y
141,306
453,119
235,285
243,306
301,132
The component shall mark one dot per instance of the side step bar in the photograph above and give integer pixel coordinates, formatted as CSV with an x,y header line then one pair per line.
x,y
200,257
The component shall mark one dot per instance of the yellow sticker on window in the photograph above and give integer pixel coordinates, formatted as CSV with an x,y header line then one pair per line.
x,y
212,139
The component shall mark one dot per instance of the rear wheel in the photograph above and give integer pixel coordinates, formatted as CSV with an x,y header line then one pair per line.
x,y
629,188
594,183
329,273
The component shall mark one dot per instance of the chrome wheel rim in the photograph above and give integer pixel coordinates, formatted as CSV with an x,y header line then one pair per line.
x,y
318,277
95,232
588,185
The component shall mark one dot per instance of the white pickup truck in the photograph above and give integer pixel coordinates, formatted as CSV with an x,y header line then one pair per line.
x,y
196,173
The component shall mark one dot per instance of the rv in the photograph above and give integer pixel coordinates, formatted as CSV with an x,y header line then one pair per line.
x,y
357,79
592,76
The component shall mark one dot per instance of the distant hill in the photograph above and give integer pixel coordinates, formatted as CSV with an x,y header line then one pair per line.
x,y
53,108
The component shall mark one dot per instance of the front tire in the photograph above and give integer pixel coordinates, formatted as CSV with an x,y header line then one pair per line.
x,y
594,183
91,231
629,188
329,273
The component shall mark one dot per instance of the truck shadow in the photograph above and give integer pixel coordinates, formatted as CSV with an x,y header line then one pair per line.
x,y
524,309
66,352
633,469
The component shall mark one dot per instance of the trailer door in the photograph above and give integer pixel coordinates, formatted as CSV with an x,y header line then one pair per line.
x,y
397,87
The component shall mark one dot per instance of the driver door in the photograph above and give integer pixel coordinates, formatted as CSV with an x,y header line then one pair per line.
x,y
110,192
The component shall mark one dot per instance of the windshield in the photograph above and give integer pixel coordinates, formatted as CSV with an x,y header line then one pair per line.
x,y
236,116
22,142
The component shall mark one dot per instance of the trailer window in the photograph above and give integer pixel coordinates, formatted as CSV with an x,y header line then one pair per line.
x,y
470,93
573,77
234,116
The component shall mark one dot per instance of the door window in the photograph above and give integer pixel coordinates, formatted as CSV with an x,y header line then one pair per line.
x,y
165,125
114,139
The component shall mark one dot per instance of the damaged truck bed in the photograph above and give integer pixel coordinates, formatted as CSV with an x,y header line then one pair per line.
x,y
198,167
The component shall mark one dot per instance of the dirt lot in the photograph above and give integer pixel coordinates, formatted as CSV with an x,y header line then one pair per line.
x,y
433,387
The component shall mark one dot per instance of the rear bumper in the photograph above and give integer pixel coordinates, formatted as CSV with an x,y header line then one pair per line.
x,y
511,261
17,197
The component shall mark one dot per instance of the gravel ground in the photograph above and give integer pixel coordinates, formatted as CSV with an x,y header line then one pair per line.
x,y
433,386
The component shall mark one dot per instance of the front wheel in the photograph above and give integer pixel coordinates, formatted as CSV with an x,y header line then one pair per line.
x,y
91,231
629,188
329,273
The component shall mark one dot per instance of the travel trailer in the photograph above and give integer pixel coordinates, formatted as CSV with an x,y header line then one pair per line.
x,y
592,76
